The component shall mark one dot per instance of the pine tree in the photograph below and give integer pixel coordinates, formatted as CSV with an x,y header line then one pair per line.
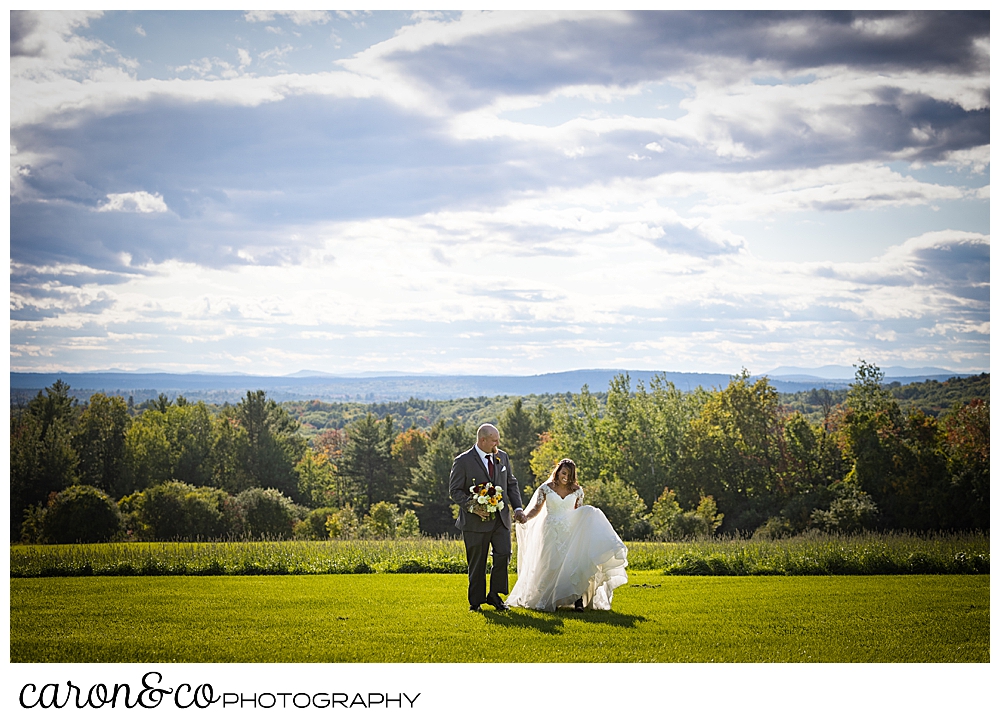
x,y
427,493
367,460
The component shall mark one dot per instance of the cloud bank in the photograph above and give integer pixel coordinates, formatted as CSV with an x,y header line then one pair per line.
x,y
668,190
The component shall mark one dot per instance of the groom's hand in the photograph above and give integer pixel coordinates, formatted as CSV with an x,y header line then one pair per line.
x,y
519,516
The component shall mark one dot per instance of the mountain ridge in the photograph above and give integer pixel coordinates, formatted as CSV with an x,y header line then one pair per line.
x,y
232,387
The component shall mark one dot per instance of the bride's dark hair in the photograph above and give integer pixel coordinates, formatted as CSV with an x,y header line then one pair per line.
x,y
570,466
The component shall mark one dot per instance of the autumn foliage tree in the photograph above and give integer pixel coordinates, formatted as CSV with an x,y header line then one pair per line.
x,y
967,446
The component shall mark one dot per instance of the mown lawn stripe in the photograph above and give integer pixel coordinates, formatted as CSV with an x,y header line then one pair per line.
x,y
423,618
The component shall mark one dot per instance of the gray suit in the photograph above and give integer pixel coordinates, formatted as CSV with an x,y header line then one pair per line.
x,y
480,534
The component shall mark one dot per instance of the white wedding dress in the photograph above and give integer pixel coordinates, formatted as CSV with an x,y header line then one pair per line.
x,y
566,553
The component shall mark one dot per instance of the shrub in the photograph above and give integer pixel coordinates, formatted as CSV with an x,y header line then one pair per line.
x,y
666,513
851,511
263,513
80,513
670,522
176,511
313,526
384,522
707,516
31,524
775,528
409,525
380,523
342,524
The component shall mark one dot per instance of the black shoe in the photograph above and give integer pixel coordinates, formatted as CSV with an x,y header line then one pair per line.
x,y
475,609
578,606
496,602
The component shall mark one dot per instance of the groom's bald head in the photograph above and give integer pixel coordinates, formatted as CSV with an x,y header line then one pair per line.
x,y
487,437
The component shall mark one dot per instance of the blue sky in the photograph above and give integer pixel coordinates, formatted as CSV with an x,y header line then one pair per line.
x,y
510,192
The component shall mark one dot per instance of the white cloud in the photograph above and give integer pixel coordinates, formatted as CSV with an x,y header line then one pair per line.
x,y
934,239
299,17
37,103
48,55
47,43
436,31
135,202
215,69
276,52
935,275
975,159
612,298
202,67
834,188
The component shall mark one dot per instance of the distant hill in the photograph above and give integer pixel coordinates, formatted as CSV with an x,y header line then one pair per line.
x,y
931,396
833,372
232,387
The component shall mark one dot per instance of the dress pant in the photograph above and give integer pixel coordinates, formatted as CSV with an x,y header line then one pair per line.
x,y
477,546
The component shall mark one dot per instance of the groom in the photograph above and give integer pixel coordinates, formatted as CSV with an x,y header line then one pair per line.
x,y
485,462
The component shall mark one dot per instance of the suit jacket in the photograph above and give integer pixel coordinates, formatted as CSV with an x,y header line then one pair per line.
x,y
468,466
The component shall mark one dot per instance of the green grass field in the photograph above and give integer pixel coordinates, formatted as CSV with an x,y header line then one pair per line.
x,y
423,618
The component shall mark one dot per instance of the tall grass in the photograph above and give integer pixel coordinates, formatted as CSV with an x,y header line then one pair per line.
x,y
869,554
866,554
238,558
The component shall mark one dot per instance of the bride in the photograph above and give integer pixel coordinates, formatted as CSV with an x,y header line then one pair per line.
x,y
567,553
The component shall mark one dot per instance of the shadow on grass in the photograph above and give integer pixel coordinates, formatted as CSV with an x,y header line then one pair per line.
x,y
552,623
514,618
609,617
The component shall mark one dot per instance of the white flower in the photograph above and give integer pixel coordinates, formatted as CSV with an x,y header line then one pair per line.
x,y
500,505
482,500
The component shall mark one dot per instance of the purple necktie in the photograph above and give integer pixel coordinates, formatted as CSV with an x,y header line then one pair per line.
x,y
489,460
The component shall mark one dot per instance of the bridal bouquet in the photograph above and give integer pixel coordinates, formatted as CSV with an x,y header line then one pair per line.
x,y
486,497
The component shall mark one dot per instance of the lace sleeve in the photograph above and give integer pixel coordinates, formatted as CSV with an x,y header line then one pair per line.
x,y
539,502
579,498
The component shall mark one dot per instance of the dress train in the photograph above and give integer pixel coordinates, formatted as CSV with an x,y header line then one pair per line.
x,y
566,553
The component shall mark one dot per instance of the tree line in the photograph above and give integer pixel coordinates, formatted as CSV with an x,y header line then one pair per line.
x,y
932,397
661,463
736,461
